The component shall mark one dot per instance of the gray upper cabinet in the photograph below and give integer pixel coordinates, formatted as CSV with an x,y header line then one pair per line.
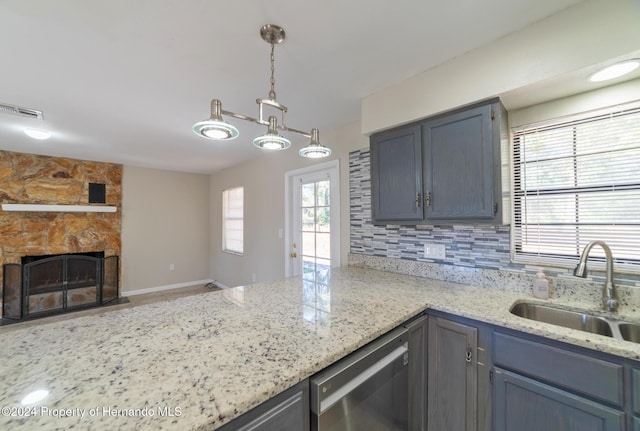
x,y
462,165
396,175
442,170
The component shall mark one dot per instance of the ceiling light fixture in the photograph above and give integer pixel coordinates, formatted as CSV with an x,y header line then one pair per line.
x,y
216,128
615,70
37,134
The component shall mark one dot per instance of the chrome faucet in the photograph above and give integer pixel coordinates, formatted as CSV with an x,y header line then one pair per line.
x,y
609,293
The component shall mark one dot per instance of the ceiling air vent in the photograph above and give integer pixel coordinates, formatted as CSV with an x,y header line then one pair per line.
x,y
23,112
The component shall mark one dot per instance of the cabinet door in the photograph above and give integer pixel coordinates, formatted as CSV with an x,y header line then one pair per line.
x,y
396,175
452,376
635,390
417,374
459,165
523,404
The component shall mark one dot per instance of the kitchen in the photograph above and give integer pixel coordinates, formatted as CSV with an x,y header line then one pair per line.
x,y
382,110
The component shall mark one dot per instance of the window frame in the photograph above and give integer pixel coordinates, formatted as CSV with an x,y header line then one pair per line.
x,y
520,192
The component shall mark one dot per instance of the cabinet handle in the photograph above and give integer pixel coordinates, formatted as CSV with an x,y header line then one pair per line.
x,y
417,200
427,199
468,354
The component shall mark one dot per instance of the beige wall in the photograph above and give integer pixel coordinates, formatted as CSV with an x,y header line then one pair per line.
x,y
165,220
611,96
263,180
581,36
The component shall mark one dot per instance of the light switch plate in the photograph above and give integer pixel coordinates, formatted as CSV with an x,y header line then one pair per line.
x,y
434,251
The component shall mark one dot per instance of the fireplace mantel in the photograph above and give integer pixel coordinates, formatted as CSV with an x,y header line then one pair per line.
x,y
59,208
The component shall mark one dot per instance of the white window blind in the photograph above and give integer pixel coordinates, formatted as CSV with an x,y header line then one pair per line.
x,y
233,220
576,181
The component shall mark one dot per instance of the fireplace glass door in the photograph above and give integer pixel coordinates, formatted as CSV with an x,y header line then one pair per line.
x,y
44,285
82,277
62,282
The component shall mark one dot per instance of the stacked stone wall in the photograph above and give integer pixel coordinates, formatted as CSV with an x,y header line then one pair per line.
x,y
34,179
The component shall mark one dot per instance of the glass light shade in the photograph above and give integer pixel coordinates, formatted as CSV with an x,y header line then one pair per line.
x,y
615,70
315,150
37,133
215,129
272,142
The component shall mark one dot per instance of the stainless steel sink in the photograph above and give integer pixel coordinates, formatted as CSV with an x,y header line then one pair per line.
x,y
568,319
629,331
580,320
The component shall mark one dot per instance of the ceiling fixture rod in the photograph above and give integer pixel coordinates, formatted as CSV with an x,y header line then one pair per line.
x,y
215,127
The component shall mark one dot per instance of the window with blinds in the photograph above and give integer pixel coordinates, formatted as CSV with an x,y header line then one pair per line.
x,y
577,181
233,220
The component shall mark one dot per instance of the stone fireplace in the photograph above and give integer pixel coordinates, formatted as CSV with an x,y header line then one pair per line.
x,y
28,237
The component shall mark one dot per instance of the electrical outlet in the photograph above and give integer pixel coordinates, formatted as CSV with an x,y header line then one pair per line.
x,y
434,251
172,267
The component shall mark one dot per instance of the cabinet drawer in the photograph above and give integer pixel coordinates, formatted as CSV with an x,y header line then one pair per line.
x,y
582,374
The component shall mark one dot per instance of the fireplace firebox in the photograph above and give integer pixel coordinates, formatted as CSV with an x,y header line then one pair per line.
x,y
45,285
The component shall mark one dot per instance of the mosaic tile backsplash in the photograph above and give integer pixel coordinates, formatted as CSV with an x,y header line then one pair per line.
x,y
477,247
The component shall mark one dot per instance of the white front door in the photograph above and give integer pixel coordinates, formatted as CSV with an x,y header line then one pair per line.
x,y
313,222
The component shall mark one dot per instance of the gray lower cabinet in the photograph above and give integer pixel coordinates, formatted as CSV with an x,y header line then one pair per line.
x,y
635,394
546,386
287,411
452,376
524,404
418,329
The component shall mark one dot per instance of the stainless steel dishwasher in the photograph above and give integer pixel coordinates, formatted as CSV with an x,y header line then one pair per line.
x,y
368,390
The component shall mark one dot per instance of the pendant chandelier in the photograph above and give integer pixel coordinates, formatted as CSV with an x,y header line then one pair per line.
x,y
217,128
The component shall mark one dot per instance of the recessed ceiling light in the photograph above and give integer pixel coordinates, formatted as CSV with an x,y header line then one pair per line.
x,y
615,70
37,133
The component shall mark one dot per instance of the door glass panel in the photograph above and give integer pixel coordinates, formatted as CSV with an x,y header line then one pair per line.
x,y
308,219
309,245
315,226
308,195
323,243
322,194
322,219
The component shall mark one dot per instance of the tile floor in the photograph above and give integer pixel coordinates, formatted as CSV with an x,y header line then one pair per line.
x,y
133,301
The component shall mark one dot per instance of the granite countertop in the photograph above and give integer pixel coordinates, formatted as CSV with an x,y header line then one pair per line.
x,y
196,363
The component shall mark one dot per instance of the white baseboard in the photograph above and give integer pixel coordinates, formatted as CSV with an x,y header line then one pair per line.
x,y
220,285
165,287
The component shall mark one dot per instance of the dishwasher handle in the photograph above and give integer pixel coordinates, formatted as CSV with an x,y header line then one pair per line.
x,y
400,351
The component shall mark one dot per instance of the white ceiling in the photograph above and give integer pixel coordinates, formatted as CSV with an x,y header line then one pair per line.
x,y
124,80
